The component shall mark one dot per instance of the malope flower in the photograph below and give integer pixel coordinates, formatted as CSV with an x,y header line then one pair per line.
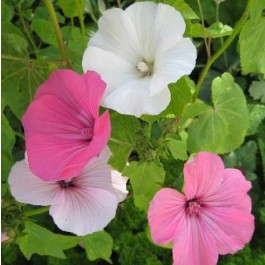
x,y
138,52
212,216
63,129
81,205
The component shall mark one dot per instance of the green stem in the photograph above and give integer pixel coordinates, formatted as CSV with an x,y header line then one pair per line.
x,y
208,49
36,211
20,59
226,44
58,32
27,32
81,19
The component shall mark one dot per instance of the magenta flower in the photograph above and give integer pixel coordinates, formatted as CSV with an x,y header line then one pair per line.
x,y
63,129
82,205
212,216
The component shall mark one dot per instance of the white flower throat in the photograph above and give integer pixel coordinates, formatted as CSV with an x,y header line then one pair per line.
x,y
145,68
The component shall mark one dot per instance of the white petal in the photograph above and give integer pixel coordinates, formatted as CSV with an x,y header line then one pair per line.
x,y
119,185
84,210
172,64
113,69
133,98
158,26
98,174
28,188
117,34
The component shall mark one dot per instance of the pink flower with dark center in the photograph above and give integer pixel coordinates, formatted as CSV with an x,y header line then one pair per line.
x,y
83,205
63,129
212,217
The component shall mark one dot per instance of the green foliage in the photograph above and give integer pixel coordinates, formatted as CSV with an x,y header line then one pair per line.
x,y
251,40
43,242
182,7
72,8
216,30
257,90
94,243
256,116
123,139
219,128
146,179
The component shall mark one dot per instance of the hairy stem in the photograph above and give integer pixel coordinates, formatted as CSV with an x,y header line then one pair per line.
x,y
226,44
36,211
58,32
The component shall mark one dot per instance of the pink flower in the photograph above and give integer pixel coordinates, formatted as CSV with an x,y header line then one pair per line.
x,y
82,205
63,129
4,237
212,216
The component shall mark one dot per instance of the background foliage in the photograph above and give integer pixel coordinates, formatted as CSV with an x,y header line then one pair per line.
x,y
228,118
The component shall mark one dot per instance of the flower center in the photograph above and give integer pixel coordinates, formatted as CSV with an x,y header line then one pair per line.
x,y
64,184
145,68
87,133
193,207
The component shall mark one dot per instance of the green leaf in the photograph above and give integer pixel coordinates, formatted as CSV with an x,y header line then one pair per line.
x,y
123,137
146,179
20,75
7,12
182,7
178,148
256,116
261,143
72,8
8,141
222,127
45,31
98,246
257,90
252,46
216,30
43,242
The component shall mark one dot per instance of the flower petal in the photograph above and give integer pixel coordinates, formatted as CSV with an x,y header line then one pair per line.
x,y
84,210
117,35
231,227
228,212
172,64
231,191
166,215
81,93
133,98
158,27
102,61
203,174
98,174
194,245
27,188
53,134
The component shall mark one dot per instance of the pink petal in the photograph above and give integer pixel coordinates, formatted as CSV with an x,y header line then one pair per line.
x,y
84,210
80,92
227,212
194,245
54,134
231,191
202,175
231,227
166,215
27,188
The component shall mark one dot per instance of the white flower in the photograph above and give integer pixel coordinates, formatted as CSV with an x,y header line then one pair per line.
x,y
82,205
138,52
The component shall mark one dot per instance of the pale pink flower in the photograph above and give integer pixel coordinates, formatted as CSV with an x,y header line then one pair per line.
x,y
63,129
82,205
212,216
4,237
